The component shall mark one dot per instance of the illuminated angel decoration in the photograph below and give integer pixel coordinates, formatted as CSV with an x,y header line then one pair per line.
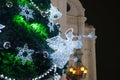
x,y
64,47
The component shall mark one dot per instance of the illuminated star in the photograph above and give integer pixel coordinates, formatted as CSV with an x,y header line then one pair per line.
x,y
26,12
24,54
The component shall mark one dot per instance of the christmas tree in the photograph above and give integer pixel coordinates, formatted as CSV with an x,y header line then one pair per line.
x,y
31,46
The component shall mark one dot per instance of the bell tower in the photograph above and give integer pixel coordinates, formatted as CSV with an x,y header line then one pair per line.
x,y
74,17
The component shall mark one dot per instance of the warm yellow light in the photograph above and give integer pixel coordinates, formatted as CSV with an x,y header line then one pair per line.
x,y
82,68
71,70
85,71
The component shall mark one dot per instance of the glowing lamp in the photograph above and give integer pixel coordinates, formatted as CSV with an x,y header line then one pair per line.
x,y
85,71
74,71
82,68
71,70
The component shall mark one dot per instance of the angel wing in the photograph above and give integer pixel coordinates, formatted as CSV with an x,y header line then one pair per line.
x,y
54,42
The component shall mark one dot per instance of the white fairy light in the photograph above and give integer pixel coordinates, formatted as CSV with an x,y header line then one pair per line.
x,y
5,77
2,76
39,77
45,74
36,78
55,65
9,79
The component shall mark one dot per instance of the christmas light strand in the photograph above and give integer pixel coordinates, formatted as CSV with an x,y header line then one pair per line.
x,y
5,77
53,68
41,12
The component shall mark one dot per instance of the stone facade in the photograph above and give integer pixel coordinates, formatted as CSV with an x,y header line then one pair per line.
x,y
75,18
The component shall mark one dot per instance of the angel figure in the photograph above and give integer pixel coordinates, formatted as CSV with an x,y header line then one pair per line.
x,y
63,47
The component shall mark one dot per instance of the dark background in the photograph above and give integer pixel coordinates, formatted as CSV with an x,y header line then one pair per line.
x,y
104,15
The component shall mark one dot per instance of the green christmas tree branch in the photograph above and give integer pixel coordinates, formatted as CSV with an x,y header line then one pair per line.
x,y
33,27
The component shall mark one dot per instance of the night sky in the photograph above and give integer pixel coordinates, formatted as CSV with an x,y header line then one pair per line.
x,y
104,15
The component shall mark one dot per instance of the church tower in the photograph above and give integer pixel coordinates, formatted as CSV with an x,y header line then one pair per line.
x,y
74,17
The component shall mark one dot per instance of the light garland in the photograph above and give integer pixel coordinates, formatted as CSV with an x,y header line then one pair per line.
x,y
5,77
54,67
41,12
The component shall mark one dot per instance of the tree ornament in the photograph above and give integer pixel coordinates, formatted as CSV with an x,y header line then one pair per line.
x,y
1,27
45,54
24,54
7,45
26,12
43,14
58,25
9,4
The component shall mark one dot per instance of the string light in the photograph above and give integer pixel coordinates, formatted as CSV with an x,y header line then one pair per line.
x,y
53,68
5,77
42,12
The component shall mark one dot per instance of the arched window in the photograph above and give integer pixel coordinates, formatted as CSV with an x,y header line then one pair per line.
x,y
68,7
